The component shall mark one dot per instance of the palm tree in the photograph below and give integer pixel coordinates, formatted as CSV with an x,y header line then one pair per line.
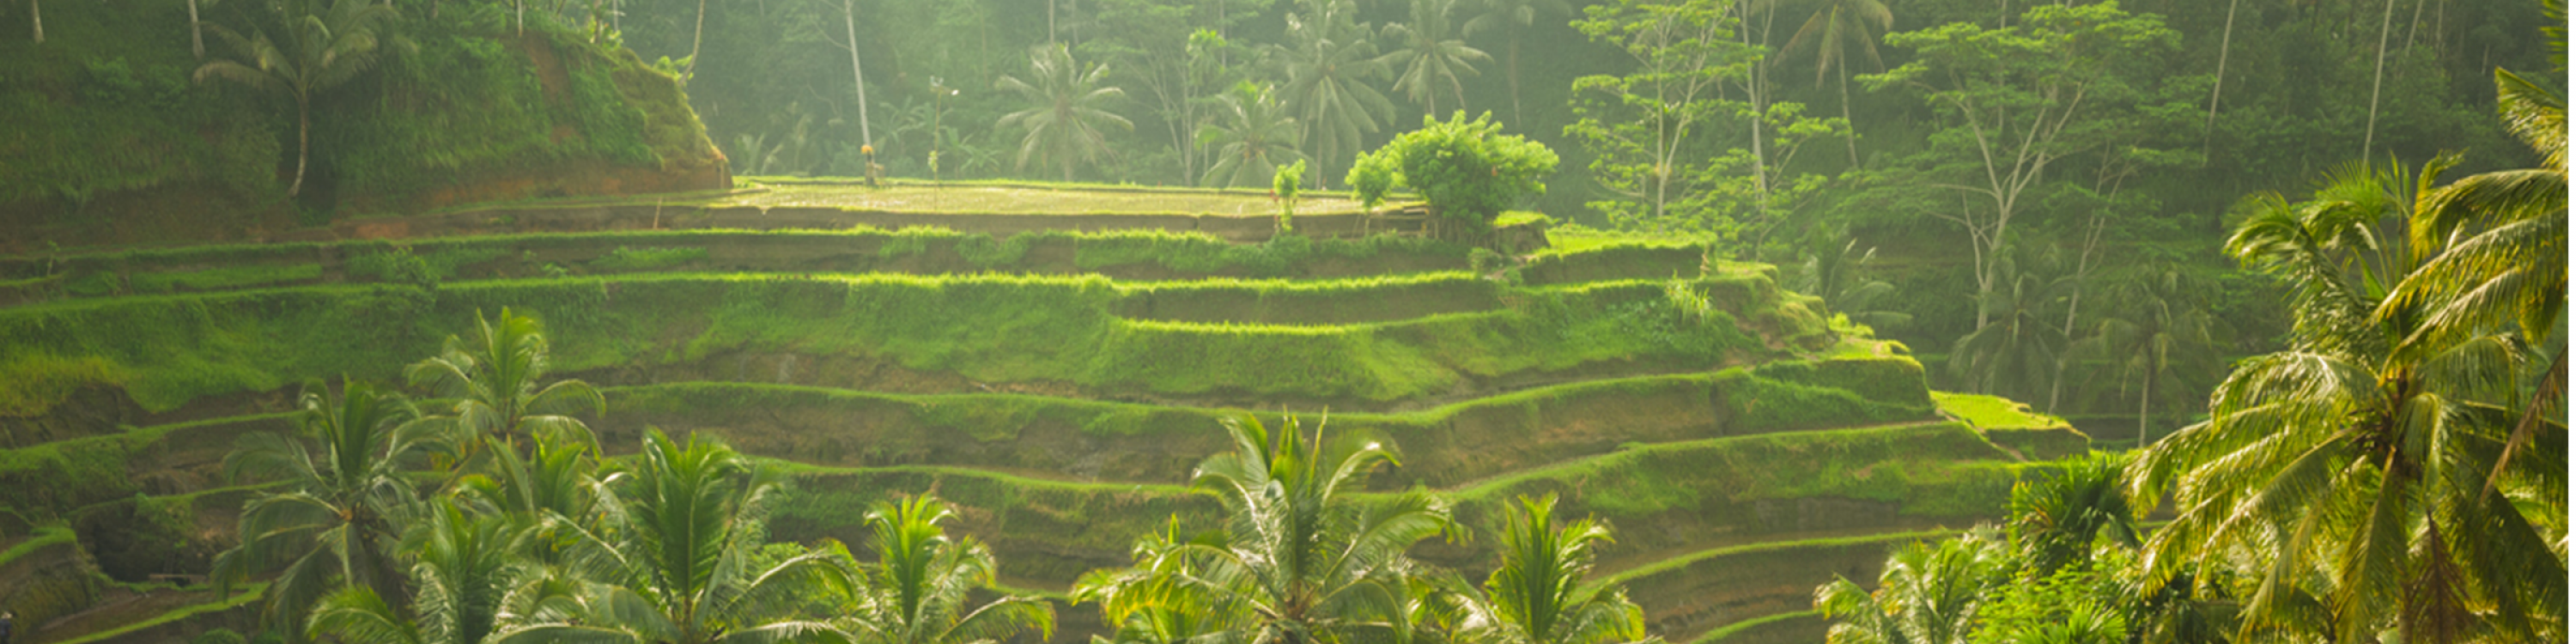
x,y
1927,594
2360,474
1837,27
1514,17
2155,335
1155,600
1253,140
2016,352
1539,596
2509,273
1330,63
1835,268
498,383
918,592
466,565
2056,521
1299,562
324,47
1429,55
672,566
340,516
1067,109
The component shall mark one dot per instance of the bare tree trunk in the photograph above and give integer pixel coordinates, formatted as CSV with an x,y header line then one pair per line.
x,y
2378,72
850,25
695,34
196,36
1851,135
1512,72
2225,37
2146,392
36,11
303,142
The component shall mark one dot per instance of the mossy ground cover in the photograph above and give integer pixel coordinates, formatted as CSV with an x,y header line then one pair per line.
x,y
167,350
52,479
1155,253
2013,425
1008,199
1114,441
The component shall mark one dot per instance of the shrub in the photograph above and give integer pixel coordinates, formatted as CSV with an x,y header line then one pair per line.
x,y
1464,168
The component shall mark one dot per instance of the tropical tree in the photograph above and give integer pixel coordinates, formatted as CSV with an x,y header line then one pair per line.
x,y
2056,521
1834,267
916,593
324,45
1254,137
1539,595
1644,129
2359,478
2510,272
1331,62
1430,55
2015,100
1299,561
1158,599
1513,17
338,518
2155,336
673,564
1837,28
1067,109
2016,352
465,565
1927,594
498,382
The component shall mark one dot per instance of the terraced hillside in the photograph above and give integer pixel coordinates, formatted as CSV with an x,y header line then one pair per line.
x,y
1057,384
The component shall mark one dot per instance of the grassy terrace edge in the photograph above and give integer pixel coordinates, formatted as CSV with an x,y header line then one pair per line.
x,y
166,350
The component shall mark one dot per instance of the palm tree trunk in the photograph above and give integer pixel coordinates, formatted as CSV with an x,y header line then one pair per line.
x,y
1851,136
2146,392
1512,72
2378,72
858,77
2225,36
36,11
196,36
695,36
303,141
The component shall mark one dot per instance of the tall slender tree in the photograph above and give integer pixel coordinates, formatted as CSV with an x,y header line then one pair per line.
x,y
1431,55
1067,112
1332,64
1838,27
1514,18
1254,137
327,42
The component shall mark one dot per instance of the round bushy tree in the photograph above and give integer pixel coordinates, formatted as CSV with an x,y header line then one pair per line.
x,y
1467,169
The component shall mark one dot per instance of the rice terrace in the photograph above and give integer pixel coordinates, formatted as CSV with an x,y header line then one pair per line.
x,y
1164,322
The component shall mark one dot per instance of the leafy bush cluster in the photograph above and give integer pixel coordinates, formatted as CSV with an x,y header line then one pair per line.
x,y
1467,170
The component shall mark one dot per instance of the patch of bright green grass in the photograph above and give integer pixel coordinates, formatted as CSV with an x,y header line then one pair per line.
x,y
1721,633
44,537
167,350
1575,238
1004,199
1994,412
